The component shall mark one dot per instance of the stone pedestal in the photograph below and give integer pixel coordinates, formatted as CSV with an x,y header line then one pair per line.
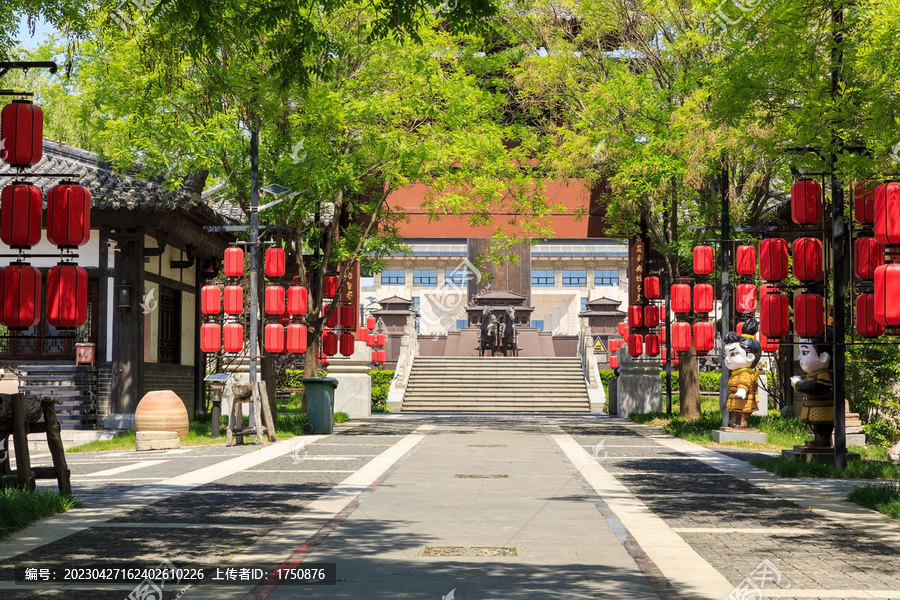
x,y
735,434
853,429
810,454
354,391
639,388
156,440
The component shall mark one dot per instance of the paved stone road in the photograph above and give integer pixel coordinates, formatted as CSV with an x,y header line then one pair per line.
x,y
403,505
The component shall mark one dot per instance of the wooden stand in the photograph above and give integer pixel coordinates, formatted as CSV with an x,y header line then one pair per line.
x,y
19,420
243,393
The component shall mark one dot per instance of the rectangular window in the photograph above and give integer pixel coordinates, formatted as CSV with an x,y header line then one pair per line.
x,y
543,278
425,277
460,323
574,278
416,303
538,324
457,277
393,277
602,277
583,304
169,325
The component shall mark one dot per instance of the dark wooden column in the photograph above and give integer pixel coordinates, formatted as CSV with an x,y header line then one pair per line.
x,y
128,327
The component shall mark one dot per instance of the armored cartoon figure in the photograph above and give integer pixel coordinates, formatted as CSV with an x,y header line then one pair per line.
x,y
742,353
817,387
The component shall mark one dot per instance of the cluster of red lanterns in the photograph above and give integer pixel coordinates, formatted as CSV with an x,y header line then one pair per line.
x,y
68,227
229,336
878,312
375,341
283,306
338,335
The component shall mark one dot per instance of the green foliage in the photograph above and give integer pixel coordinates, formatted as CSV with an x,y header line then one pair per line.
x,y
381,383
784,466
21,508
884,498
709,382
880,433
873,374
606,375
341,417
293,379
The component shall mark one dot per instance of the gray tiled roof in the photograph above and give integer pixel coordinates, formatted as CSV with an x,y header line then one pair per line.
x,y
119,191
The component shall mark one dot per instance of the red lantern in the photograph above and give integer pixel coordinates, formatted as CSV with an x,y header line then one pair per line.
x,y
866,325
887,290
210,337
681,336
330,343
274,301
331,286
635,316
703,298
774,320
296,338
210,300
681,298
809,315
381,356
635,344
864,202
612,345
348,316
233,334
20,296
234,300
370,323
806,202
773,259
20,215
613,362
275,262
651,287
808,259
704,337
887,213
346,344
234,261
662,336
651,344
651,316
623,329
68,215
665,354
745,298
22,130
868,255
67,296
380,340
745,263
274,338
333,319
766,344
296,300
703,260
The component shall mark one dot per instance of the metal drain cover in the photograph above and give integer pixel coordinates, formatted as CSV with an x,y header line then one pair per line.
x,y
472,476
469,551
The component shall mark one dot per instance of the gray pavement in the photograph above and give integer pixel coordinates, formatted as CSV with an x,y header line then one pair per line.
x,y
468,507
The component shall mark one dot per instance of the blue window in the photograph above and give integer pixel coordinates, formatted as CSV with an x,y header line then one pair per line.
x,y
416,303
583,304
574,278
602,277
543,278
425,277
457,277
393,277
538,324
460,323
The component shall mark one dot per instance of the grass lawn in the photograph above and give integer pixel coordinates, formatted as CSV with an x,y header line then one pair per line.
x,y
856,469
885,498
21,508
286,426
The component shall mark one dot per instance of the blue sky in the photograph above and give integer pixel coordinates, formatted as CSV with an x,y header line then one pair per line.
x,y
40,32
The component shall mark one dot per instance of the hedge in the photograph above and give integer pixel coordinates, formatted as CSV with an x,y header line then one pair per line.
x,y
381,383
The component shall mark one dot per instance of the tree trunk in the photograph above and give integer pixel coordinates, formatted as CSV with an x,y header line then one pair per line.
x,y
689,385
310,360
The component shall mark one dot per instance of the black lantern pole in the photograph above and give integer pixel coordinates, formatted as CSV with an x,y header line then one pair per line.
x,y
725,291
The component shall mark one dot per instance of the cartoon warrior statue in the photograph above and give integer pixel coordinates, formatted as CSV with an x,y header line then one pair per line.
x,y
817,387
742,353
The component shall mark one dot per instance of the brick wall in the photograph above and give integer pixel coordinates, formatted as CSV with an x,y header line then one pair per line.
x,y
178,378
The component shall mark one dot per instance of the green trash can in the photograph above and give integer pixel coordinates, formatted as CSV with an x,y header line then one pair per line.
x,y
319,404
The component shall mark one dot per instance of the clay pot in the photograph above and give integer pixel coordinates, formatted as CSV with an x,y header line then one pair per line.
x,y
161,410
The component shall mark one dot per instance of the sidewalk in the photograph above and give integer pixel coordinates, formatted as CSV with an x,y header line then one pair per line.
x,y
523,507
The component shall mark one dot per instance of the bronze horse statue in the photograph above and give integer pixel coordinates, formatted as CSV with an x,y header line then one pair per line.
x,y
489,337
509,339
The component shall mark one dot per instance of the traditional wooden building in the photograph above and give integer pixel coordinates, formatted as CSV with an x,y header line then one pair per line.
x,y
145,258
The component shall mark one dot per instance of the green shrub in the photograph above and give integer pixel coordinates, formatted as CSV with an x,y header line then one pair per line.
x,y
293,379
605,377
879,433
20,508
381,377
381,384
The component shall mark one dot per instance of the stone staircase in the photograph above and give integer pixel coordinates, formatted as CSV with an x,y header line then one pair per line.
x,y
496,385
